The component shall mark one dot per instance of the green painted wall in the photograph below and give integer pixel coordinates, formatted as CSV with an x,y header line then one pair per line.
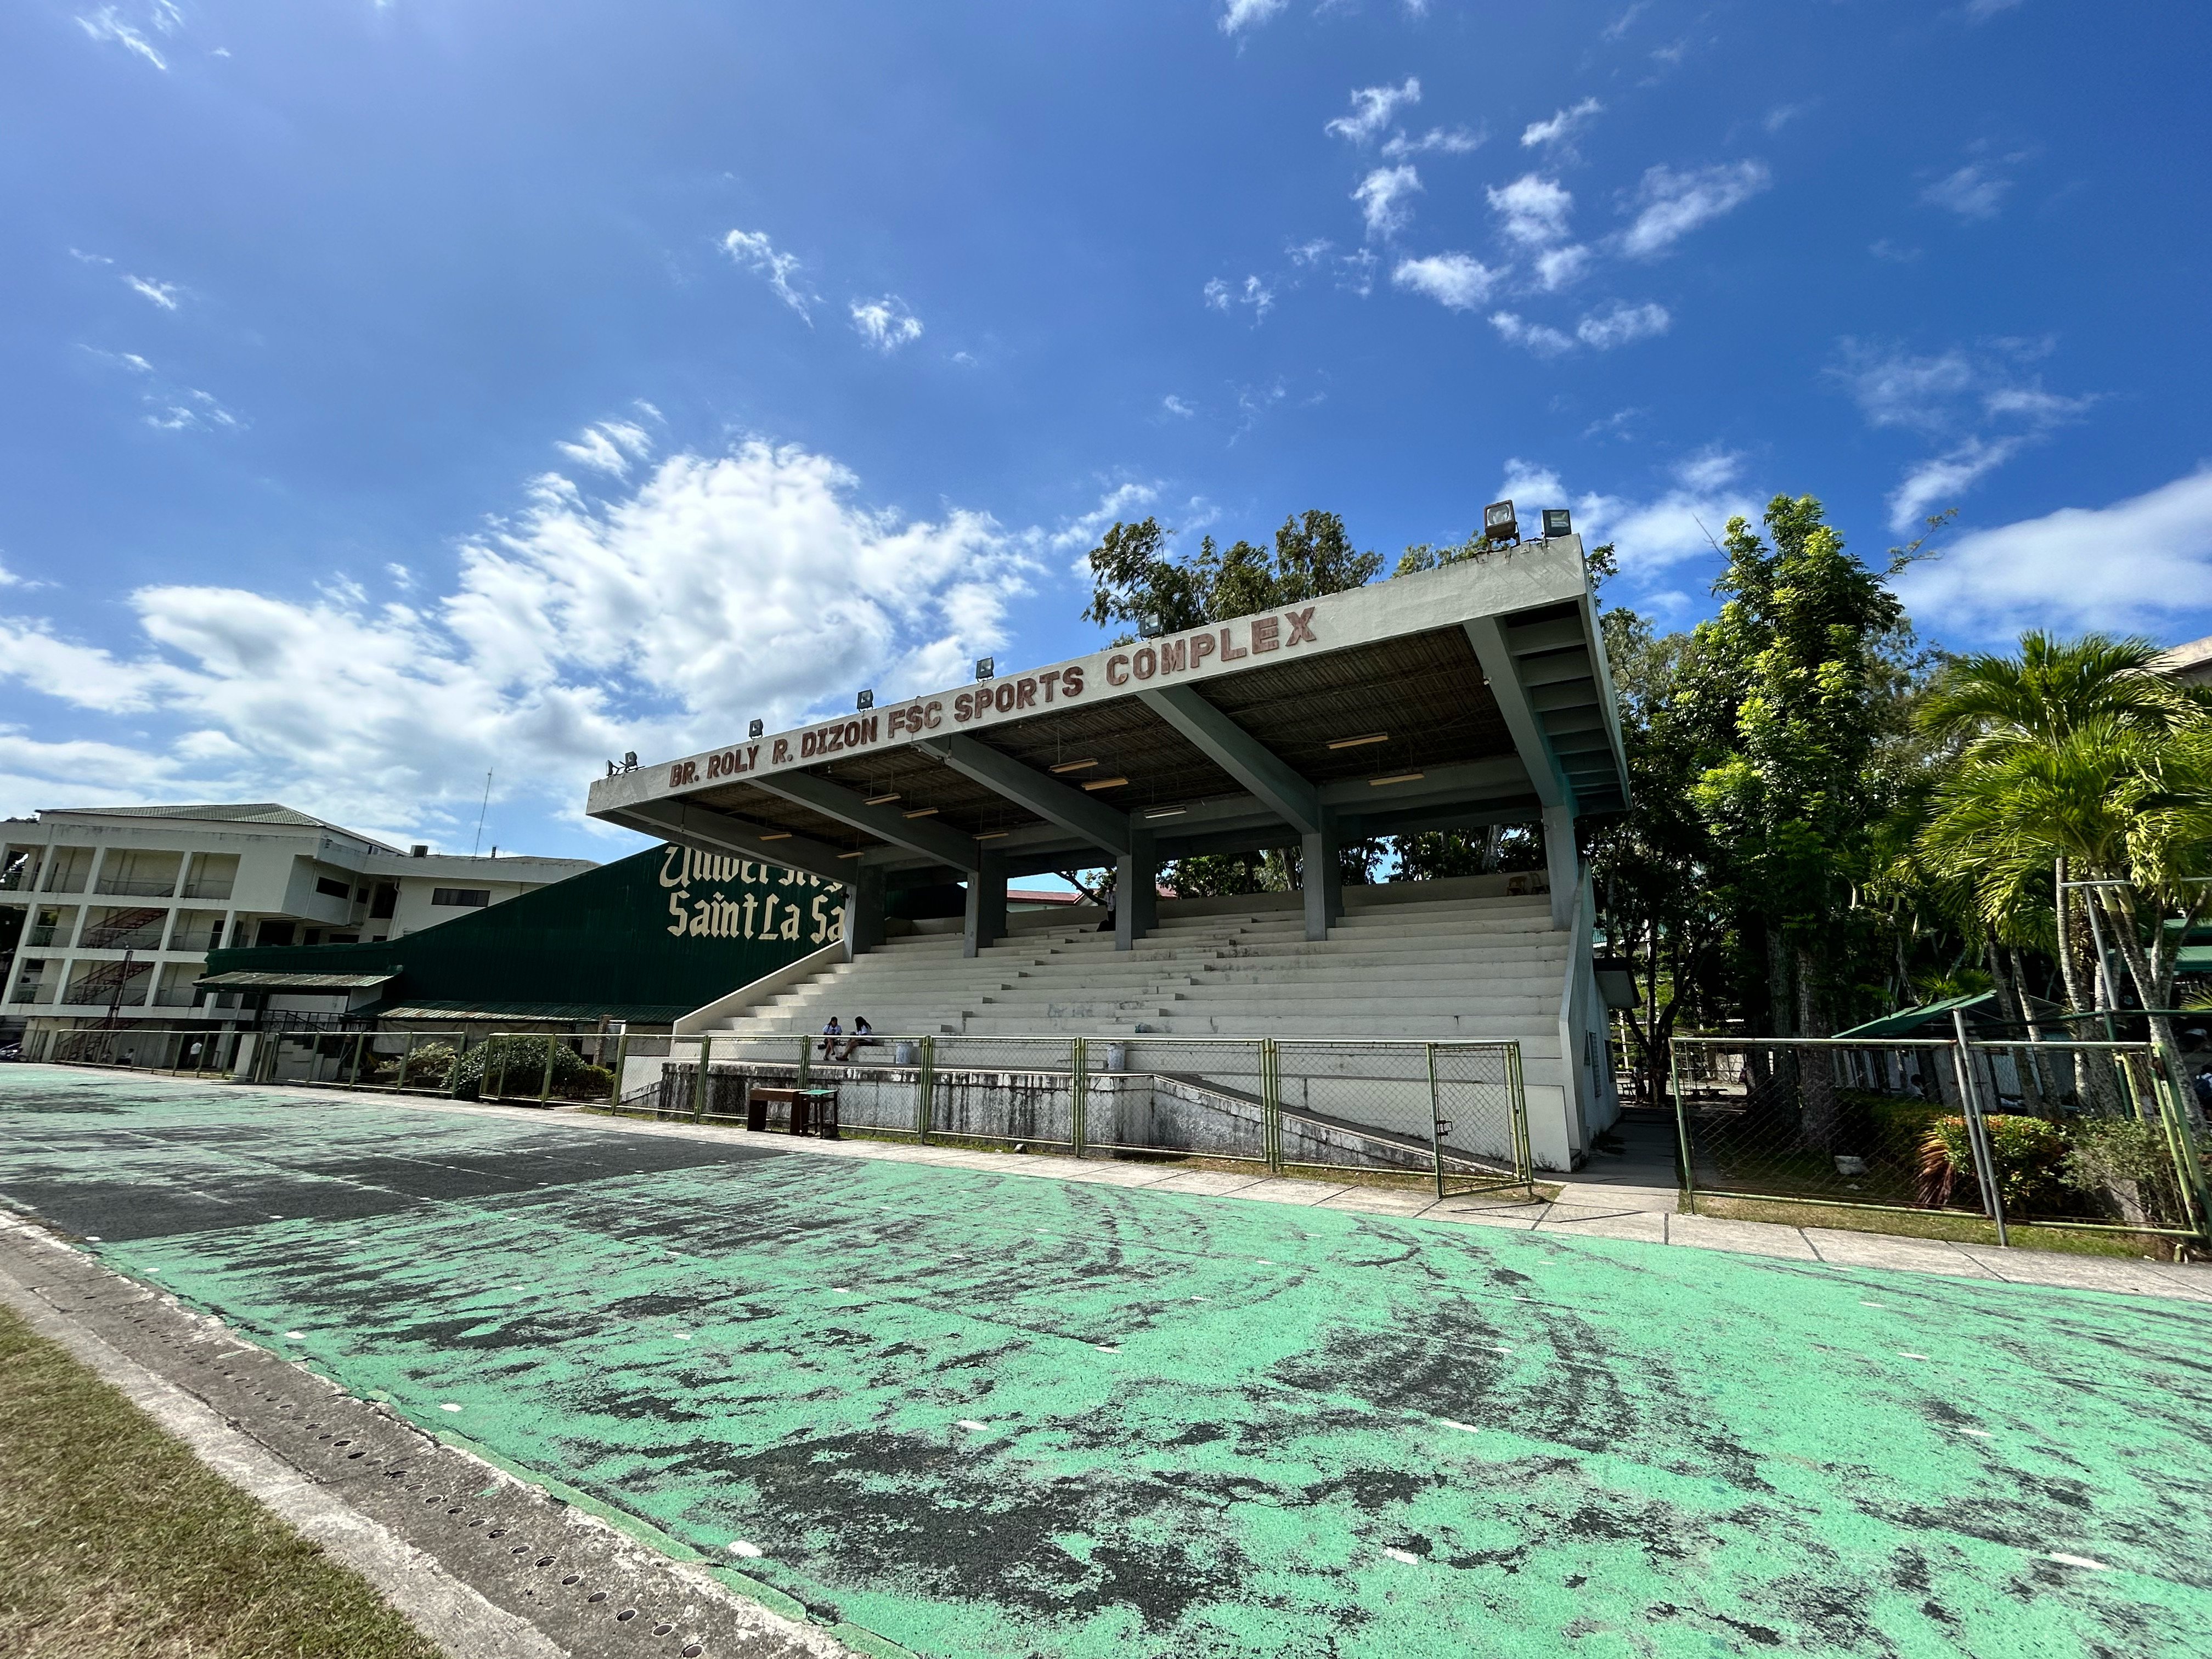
x,y
665,929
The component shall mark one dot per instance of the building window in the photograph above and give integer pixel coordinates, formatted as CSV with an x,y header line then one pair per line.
x,y
386,901
330,889
473,897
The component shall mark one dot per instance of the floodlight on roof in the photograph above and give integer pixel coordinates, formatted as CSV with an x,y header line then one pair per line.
x,y
881,801
754,729
1558,521
1105,783
986,666
1073,766
1355,743
867,701
1499,524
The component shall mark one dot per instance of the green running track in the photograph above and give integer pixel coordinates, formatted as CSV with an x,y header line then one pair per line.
x,y
986,1415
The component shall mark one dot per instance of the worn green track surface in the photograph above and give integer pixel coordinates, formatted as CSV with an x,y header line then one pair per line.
x,y
1000,1415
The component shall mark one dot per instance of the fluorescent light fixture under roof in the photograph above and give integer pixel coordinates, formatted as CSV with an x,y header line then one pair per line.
x,y
994,835
1167,812
1105,783
775,834
922,812
1397,777
1354,742
881,801
1073,766
853,855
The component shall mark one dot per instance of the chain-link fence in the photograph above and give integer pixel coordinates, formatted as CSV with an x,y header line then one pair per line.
x,y
188,1052
2083,1135
1451,1113
518,1067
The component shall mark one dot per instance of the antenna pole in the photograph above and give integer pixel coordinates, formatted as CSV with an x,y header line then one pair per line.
x,y
477,846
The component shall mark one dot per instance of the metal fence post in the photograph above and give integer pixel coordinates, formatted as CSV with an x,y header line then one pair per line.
x,y
360,1053
806,1053
1271,1104
453,1069
699,1082
1436,1124
925,1089
545,1083
1977,1128
1078,1091
1681,1124
621,1060
1516,1101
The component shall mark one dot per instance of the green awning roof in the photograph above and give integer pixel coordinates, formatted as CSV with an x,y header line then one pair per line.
x,y
1907,1021
295,982
431,1011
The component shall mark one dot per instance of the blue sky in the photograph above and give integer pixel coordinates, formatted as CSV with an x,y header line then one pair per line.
x,y
398,390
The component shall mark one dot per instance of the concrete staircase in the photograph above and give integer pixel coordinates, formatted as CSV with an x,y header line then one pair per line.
x,y
1469,967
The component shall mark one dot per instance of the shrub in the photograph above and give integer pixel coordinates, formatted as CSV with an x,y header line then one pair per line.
x,y
2029,1152
516,1065
1897,1129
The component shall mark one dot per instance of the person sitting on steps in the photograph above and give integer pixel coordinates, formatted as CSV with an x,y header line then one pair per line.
x,y
831,1033
859,1039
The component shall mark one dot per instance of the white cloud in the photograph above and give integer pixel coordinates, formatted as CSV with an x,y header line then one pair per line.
x,y
167,405
1556,267
2138,564
1458,281
1539,337
1619,26
163,294
1248,14
753,251
1084,530
1706,490
1972,193
1176,407
1976,396
1938,480
1981,11
1782,114
1444,141
107,24
1601,331
1384,199
1676,204
886,323
1564,126
1307,253
90,258
1622,325
609,446
1373,109
1533,209
1254,293
721,587
1896,253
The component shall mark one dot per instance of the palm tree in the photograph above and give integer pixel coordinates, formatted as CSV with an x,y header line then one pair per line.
x,y
2078,757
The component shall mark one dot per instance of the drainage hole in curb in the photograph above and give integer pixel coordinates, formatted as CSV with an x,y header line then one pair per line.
x,y
572,1578
521,1549
693,1651
351,1455
625,1615
544,1560
456,1510
662,1630
597,1595
496,1532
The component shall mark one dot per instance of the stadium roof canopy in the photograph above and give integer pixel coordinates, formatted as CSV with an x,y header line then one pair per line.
x,y
1470,695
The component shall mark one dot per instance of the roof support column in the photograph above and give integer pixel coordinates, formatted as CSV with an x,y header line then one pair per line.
x,y
1321,879
1137,889
1561,862
864,911
987,905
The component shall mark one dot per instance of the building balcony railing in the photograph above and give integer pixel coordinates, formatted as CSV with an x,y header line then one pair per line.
x,y
215,887
124,887
177,996
48,935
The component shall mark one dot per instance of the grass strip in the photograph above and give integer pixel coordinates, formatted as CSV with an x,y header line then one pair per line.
x,y
1953,1229
116,1540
